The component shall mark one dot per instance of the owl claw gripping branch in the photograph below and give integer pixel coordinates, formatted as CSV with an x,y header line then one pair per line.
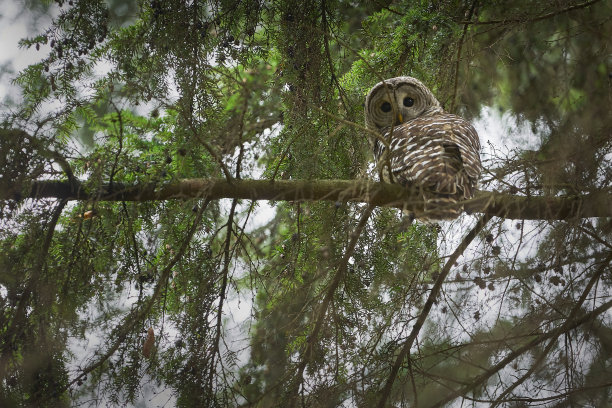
x,y
425,147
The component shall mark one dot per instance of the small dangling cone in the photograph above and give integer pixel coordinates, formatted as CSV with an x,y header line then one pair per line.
x,y
149,343
88,214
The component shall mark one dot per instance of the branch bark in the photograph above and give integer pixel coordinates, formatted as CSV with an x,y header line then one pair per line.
x,y
597,204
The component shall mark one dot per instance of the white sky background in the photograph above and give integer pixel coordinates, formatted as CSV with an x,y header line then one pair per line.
x,y
15,20
498,132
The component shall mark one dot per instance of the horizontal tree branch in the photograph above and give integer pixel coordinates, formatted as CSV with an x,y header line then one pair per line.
x,y
597,204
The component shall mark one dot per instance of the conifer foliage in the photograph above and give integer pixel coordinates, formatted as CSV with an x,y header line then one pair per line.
x,y
166,237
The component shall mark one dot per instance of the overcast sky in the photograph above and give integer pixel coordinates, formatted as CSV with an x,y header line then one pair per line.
x,y
15,21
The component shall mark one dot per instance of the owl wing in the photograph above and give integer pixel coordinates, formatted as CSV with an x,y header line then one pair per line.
x,y
439,153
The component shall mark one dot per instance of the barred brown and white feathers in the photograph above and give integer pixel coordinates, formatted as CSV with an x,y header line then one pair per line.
x,y
437,152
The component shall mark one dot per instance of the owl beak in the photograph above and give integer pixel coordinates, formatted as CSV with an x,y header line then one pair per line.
x,y
398,119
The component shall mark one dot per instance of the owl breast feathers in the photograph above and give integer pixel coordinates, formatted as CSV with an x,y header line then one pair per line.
x,y
435,151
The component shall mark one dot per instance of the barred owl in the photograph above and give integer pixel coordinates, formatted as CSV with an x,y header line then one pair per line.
x,y
427,148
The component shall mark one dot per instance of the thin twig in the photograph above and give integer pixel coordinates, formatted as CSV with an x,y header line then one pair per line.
x,y
371,132
120,140
136,315
334,78
560,330
17,324
405,351
530,20
458,60
223,291
210,149
553,334
331,290
563,395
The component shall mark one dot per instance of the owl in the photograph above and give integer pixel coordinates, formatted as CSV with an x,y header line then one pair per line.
x,y
425,147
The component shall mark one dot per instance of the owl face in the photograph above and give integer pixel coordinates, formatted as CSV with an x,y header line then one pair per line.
x,y
397,100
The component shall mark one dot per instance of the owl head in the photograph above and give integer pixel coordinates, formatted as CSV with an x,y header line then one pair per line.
x,y
398,100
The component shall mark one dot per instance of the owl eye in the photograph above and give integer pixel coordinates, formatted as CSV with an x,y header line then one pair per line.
x,y
385,107
408,101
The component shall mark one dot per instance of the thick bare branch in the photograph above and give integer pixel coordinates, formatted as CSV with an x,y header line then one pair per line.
x,y
598,204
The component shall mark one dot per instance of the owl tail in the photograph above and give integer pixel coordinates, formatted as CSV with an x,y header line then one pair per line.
x,y
440,206
443,188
